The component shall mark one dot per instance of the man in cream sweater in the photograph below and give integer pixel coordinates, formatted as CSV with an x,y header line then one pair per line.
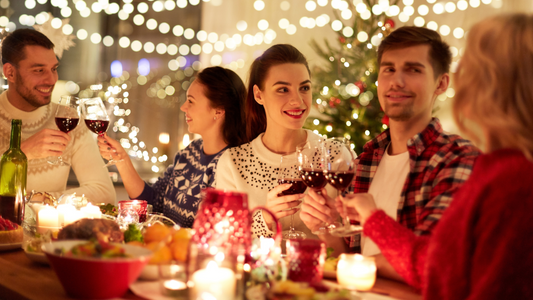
x,y
30,66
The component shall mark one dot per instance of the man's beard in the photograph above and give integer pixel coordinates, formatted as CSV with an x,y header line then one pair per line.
x,y
28,94
404,114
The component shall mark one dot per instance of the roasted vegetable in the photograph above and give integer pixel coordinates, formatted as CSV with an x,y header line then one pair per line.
x,y
133,234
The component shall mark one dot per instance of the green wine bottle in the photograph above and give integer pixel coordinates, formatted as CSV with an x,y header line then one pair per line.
x,y
13,172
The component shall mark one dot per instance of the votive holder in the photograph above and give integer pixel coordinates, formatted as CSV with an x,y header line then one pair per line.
x,y
306,259
173,280
356,272
140,206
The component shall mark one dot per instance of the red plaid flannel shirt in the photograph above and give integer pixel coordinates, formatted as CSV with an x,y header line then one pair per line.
x,y
439,163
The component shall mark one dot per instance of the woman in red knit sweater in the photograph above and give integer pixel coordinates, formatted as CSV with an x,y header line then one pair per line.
x,y
482,247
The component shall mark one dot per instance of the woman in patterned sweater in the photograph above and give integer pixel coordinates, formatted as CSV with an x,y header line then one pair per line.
x,y
214,109
278,102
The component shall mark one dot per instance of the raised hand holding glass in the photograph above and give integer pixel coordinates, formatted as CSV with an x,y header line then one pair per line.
x,y
340,173
288,174
96,119
67,117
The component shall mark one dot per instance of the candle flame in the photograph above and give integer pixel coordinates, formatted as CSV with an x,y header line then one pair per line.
x,y
212,266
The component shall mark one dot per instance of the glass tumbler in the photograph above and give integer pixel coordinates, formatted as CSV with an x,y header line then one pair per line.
x,y
306,260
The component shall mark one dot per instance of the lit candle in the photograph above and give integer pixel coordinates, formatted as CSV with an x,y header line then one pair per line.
x,y
213,281
62,211
355,271
47,219
72,216
174,288
91,211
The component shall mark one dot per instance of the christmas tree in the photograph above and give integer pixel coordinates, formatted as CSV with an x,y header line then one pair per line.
x,y
345,89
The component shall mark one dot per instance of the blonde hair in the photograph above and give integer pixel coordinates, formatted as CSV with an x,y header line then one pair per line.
x,y
494,82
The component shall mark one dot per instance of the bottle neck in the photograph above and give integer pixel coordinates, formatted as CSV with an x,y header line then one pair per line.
x,y
16,127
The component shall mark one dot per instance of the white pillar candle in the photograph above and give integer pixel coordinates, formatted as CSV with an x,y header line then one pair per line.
x,y
72,216
355,271
214,281
62,210
48,216
91,211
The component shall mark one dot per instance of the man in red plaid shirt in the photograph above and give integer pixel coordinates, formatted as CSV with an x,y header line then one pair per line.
x,y
413,168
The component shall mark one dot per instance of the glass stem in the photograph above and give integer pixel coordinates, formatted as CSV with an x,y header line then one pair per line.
x,y
291,225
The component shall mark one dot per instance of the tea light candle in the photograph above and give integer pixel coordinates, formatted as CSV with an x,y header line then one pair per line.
x,y
62,210
72,216
91,211
174,288
214,281
355,271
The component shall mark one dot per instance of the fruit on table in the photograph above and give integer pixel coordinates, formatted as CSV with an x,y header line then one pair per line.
x,y
167,243
156,233
10,232
161,254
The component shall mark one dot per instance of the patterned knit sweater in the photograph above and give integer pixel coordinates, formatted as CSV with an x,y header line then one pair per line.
x,y
177,193
252,168
482,248
82,152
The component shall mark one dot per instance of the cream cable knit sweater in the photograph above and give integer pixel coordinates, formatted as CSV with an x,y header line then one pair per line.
x,y
82,152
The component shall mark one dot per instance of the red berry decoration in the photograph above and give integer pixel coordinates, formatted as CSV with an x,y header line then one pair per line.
x,y
342,39
389,23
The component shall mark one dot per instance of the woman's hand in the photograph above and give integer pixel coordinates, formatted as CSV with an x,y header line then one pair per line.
x,y
109,148
280,205
318,209
359,207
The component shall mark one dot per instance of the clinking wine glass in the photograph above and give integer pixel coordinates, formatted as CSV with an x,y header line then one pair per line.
x,y
67,117
288,173
340,173
312,169
96,119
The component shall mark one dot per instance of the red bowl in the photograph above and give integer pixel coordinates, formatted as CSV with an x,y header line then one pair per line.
x,y
96,278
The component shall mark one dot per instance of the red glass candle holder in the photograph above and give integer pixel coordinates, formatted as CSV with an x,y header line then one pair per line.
x,y
137,205
306,260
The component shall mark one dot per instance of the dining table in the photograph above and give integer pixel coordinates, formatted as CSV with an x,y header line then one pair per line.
x,y
24,279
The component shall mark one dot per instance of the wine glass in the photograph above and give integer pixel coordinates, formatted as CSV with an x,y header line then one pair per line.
x,y
96,119
67,118
288,173
340,173
312,169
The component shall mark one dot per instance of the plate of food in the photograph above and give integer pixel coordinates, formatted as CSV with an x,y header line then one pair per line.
x,y
10,246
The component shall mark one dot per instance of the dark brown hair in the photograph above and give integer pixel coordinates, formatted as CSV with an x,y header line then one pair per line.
x,y
225,89
273,56
440,55
13,44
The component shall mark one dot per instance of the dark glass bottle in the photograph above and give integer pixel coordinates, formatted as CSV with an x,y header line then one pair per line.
x,y
13,172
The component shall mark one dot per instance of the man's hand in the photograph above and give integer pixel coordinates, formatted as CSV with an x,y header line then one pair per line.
x,y
318,209
45,143
358,206
281,206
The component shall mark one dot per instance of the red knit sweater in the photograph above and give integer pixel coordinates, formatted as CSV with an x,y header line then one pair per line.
x,y
482,247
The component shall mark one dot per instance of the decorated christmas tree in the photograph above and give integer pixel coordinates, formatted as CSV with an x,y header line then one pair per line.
x,y
345,86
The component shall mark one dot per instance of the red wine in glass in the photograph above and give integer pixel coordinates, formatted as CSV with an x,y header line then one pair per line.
x,y
66,124
97,126
297,186
315,179
340,180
